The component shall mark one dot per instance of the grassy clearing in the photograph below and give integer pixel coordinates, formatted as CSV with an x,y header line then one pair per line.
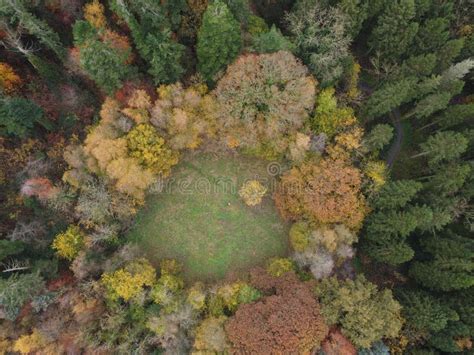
x,y
200,220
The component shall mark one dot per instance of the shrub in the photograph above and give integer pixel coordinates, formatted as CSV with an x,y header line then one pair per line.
x,y
252,192
263,100
128,282
324,192
279,266
364,313
70,243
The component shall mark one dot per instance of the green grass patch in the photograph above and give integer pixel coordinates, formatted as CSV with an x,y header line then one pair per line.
x,y
200,220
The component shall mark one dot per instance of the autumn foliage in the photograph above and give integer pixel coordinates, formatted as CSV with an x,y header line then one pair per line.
x,y
288,321
323,192
9,80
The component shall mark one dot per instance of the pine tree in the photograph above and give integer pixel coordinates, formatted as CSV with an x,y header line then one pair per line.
x,y
272,41
395,30
18,116
378,137
453,116
432,35
390,96
451,265
423,312
219,40
152,36
17,11
443,146
396,194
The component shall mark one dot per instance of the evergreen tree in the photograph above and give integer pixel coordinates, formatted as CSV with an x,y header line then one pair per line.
x,y
432,35
443,146
219,40
390,96
18,116
152,36
453,116
395,30
378,137
16,11
451,263
396,194
357,12
272,41
423,312
105,63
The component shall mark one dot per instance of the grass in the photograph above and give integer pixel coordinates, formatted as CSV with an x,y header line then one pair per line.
x,y
200,220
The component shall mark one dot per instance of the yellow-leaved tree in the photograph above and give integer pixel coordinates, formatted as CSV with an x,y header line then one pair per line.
x,y
129,281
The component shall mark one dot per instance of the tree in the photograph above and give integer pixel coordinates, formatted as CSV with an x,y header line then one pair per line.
x,y
328,117
150,27
219,40
453,116
395,30
364,313
271,41
17,12
149,148
285,322
328,192
16,290
432,35
356,12
263,101
396,194
104,55
321,39
443,146
450,264
70,243
18,116
388,97
187,115
210,335
423,312
378,137
336,344
128,282
10,247
9,80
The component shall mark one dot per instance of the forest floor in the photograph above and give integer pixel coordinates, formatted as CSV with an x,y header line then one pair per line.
x,y
200,220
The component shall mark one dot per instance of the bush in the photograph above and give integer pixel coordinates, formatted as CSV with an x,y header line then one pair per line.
x,y
279,266
263,100
252,192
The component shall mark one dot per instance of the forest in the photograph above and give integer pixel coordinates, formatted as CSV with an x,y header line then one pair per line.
x,y
237,177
